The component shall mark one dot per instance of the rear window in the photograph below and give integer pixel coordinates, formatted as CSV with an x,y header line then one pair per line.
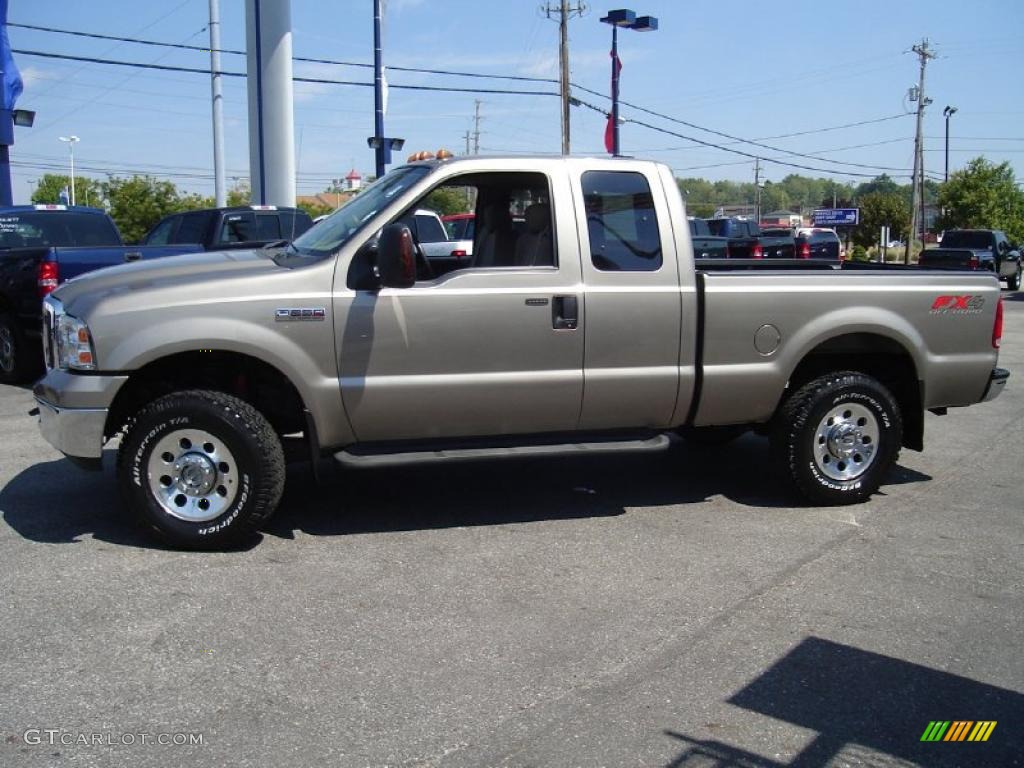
x,y
238,228
429,230
44,229
621,222
268,227
824,237
728,227
192,228
777,232
980,240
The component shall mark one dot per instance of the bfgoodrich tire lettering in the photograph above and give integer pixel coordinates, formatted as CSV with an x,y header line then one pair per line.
x,y
227,488
838,436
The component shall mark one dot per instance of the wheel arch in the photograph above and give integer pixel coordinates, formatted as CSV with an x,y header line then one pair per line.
x,y
876,354
249,378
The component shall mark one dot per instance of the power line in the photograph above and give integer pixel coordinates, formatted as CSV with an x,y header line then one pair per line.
x,y
321,80
310,60
741,152
739,139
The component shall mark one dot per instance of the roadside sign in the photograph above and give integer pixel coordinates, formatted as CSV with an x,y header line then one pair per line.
x,y
836,217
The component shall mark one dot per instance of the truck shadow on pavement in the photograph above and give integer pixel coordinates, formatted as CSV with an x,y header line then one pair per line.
x,y
54,502
860,704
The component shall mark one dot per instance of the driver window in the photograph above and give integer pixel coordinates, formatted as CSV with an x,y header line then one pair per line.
x,y
498,220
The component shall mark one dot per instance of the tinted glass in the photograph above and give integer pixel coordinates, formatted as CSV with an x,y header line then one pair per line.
x,y
56,228
294,224
268,227
621,221
161,234
237,228
725,227
191,229
967,239
429,230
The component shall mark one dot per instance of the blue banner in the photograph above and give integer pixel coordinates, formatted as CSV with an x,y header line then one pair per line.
x,y
836,217
12,85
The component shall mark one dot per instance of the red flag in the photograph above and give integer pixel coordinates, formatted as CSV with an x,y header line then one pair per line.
x,y
616,64
609,135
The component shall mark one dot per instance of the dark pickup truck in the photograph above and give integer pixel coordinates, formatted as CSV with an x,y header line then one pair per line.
x,y
706,245
747,241
220,229
984,249
41,246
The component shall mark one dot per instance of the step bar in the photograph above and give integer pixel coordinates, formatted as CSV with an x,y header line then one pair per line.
x,y
373,458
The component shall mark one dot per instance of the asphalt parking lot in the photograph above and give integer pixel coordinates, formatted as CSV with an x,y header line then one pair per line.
x,y
680,609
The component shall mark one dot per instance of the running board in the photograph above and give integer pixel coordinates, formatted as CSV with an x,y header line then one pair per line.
x,y
650,445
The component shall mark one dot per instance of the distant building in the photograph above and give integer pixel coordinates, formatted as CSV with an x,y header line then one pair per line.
x,y
354,181
781,219
325,199
735,211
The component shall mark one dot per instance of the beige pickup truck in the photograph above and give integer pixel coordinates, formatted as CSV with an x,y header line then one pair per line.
x,y
579,323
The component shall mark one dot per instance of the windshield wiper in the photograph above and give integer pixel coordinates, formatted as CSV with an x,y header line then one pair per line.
x,y
277,243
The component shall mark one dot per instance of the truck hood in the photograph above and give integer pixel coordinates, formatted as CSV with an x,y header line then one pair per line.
x,y
171,274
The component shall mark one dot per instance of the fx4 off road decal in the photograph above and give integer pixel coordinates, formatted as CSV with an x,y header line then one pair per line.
x,y
958,305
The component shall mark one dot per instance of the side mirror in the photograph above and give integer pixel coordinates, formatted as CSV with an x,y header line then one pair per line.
x,y
396,257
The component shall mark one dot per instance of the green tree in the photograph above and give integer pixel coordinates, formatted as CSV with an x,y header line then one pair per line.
x,y
983,195
87,191
136,204
446,201
314,209
878,209
883,184
239,194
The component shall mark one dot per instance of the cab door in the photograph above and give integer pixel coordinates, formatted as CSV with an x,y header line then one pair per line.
x,y
632,374
475,352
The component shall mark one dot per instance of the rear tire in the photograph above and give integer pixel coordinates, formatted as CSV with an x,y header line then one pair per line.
x,y
838,436
1013,283
203,469
16,367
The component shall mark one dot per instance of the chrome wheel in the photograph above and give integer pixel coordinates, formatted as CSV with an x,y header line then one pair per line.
x,y
193,475
846,441
6,349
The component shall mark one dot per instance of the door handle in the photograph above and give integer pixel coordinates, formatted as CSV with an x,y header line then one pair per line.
x,y
133,256
564,313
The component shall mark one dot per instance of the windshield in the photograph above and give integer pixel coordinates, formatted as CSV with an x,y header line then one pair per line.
x,y
967,239
327,236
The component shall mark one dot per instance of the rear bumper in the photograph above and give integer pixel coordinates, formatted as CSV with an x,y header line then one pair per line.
x,y
996,384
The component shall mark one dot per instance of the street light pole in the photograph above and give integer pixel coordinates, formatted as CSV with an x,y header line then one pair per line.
x,y
629,20
70,140
380,154
948,112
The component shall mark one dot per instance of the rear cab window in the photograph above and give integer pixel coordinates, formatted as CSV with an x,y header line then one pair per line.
x,y
238,227
43,229
621,222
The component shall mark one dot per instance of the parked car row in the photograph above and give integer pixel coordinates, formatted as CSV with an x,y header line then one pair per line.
x,y
42,246
980,249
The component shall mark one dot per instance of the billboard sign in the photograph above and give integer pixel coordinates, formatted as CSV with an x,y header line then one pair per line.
x,y
836,217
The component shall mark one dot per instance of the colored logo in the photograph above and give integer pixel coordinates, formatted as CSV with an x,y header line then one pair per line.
x,y
960,305
958,730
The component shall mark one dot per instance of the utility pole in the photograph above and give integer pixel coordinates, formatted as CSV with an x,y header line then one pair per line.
x,y
476,128
217,97
924,53
467,143
564,10
757,189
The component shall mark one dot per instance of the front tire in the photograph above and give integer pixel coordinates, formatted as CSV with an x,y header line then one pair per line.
x,y
838,436
203,469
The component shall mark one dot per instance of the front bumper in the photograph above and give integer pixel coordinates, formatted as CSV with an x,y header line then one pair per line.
x,y
996,384
73,411
75,432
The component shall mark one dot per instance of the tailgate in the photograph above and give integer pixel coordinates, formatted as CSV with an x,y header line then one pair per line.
x,y
950,258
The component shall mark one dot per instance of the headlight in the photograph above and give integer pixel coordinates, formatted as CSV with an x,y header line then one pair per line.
x,y
74,344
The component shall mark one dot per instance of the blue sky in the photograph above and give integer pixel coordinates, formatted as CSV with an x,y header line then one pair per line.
x,y
750,69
